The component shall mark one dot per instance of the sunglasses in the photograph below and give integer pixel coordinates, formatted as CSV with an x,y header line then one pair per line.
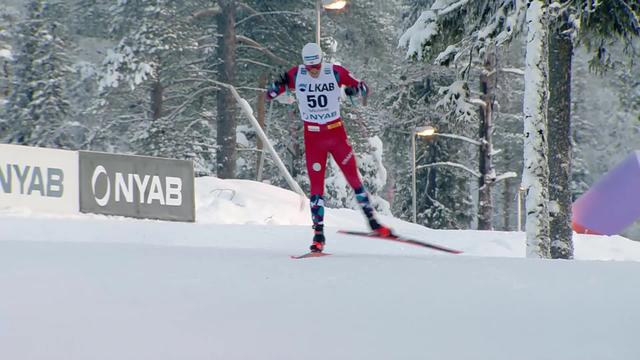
x,y
313,67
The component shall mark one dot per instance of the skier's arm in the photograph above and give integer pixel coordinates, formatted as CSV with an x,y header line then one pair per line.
x,y
284,81
345,78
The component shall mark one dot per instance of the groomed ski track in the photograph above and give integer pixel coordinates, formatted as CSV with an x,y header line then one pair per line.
x,y
110,288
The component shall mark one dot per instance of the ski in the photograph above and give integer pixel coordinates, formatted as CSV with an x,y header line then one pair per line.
x,y
401,239
310,255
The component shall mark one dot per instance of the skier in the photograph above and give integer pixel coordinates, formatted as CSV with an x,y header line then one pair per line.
x,y
318,87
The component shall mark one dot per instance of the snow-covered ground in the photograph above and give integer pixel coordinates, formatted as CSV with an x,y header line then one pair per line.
x,y
91,287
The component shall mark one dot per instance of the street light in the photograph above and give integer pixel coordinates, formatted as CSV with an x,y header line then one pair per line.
x,y
429,132
334,4
521,191
422,131
329,5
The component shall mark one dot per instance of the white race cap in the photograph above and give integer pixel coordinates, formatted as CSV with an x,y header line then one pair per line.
x,y
311,54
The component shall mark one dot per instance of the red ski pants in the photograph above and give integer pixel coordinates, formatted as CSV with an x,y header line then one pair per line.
x,y
321,140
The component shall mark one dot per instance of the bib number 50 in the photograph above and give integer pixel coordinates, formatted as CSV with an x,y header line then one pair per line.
x,y
319,100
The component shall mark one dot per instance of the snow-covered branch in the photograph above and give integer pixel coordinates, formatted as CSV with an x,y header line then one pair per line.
x,y
477,101
248,8
250,61
444,7
514,71
266,13
191,97
210,12
505,176
633,15
256,45
452,164
420,34
500,27
459,137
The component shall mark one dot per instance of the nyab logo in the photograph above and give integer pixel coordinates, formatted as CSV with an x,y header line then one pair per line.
x,y
31,180
120,187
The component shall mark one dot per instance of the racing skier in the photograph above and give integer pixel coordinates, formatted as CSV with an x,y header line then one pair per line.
x,y
318,90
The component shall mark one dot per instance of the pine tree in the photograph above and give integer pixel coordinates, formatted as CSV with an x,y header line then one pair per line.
x,y
91,18
38,106
150,81
508,131
7,19
464,34
442,197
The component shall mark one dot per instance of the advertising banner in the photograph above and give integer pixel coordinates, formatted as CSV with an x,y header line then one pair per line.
x,y
38,179
137,186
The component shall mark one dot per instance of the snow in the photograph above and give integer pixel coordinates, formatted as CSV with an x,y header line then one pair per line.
x,y
513,71
420,34
97,287
6,54
443,7
506,175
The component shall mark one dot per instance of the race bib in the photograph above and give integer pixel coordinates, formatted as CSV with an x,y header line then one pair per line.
x,y
318,99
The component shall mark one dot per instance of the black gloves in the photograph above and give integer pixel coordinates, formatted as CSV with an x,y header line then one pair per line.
x,y
274,89
350,91
362,88
282,80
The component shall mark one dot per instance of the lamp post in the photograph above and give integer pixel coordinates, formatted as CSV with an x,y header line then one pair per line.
x,y
485,173
521,191
329,5
423,131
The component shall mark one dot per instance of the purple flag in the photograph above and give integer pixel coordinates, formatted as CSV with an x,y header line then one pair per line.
x,y
613,203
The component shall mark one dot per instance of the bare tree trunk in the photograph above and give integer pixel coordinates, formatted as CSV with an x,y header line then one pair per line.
x,y
560,55
488,81
6,76
536,96
507,207
157,95
226,105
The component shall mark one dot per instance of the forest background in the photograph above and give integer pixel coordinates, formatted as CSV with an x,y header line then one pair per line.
x,y
141,77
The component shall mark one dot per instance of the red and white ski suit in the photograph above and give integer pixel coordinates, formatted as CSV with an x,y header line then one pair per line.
x,y
324,132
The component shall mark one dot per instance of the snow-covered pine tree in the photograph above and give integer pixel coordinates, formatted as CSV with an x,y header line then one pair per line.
x,y
508,132
406,98
459,32
90,18
7,21
374,175
411,101
38,109
152,92
606,23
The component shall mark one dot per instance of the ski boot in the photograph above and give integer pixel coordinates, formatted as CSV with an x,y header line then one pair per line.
x,y
318,239
380,230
